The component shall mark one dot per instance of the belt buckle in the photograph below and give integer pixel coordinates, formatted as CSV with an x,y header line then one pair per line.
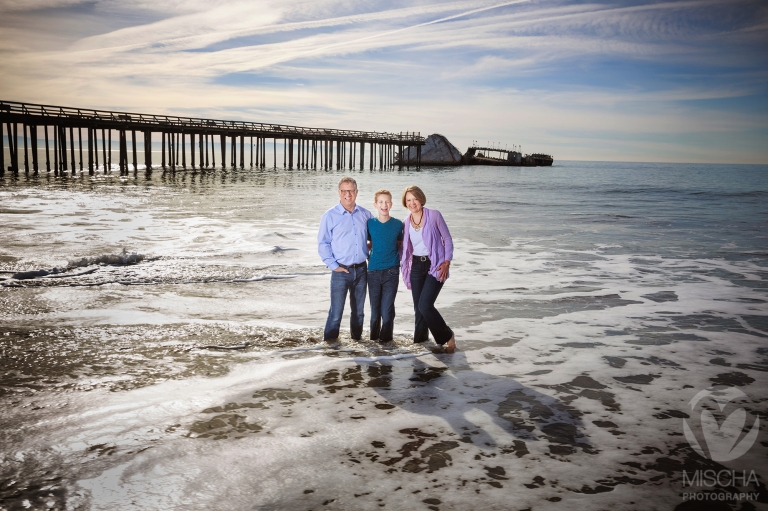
x,y
423,258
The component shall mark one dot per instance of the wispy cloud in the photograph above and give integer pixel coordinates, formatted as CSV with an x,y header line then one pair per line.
x,y
538,72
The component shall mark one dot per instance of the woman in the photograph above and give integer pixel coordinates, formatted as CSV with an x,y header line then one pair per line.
x,y
426,258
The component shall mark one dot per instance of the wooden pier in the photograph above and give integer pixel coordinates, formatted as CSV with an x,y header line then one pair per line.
x,y
81,139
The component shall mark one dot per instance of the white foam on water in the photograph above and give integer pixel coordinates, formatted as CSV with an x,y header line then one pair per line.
x,y
88,227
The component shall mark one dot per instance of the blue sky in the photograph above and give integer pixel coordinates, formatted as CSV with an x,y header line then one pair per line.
x,y
682,81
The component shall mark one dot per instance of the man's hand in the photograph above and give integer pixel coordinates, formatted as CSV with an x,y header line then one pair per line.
x,y
340,269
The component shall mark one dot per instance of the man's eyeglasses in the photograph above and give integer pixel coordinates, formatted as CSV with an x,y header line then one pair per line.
x,y
347,192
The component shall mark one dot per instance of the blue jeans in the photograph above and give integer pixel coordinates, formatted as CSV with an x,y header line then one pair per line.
x,y
425,288
353,282
382,289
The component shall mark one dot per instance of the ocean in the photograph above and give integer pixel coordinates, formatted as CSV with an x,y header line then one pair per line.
x,y
162,347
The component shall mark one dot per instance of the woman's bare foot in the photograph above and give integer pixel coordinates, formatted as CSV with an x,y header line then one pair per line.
x,y
450,346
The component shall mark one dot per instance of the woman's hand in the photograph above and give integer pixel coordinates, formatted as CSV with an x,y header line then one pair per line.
x,y
442,273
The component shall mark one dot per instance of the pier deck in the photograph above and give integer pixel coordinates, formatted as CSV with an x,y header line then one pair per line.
x,y
303,147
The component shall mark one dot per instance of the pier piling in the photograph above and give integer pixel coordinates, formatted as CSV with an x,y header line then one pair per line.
x,y
133,143
91,145
80,145
55,150
26,157
107,154
13,147
63,150
2,152
33,135
206,151
223,139
95,148
104,148
47,151
72,149
147,151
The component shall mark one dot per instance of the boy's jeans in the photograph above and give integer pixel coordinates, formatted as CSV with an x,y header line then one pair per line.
x,y
382,289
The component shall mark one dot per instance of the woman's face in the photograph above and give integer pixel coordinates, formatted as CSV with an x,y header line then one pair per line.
x,y
412,203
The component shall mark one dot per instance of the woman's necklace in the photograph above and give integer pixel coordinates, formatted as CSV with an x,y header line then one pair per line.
x,y
417,227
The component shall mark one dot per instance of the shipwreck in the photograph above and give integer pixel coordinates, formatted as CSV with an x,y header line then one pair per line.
x,y
439,151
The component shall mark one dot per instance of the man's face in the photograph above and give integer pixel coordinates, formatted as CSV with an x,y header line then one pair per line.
x,y
347,195
383,204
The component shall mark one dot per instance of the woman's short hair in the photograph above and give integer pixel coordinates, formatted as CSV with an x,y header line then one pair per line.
x,y
417,193
347,179
381,192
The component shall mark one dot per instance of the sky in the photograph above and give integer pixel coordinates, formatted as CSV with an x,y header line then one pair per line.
x,y
618,80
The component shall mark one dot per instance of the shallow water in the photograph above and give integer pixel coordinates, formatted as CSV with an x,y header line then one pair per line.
x,y
161,345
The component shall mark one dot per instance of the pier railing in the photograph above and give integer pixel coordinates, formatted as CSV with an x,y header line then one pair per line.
x,y
306,147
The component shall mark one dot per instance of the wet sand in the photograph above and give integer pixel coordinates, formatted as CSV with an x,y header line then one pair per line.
x,y
516,425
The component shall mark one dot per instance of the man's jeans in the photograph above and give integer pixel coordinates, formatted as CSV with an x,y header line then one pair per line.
x,y
382,289
353,282
425,288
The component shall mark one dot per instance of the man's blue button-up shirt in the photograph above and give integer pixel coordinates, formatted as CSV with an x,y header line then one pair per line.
x,y
343,236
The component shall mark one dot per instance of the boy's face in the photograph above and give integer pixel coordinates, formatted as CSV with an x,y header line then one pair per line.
x,y
383,204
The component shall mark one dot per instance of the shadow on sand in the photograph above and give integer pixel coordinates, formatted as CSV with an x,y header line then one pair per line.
x,y
447,387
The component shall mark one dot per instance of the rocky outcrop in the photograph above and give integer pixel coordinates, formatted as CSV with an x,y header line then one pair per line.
x,y
437,151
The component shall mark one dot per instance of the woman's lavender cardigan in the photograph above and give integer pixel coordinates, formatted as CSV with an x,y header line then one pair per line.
x,y
436,238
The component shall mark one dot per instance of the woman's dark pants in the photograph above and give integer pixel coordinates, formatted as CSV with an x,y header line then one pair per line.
x,y
382,289
425,288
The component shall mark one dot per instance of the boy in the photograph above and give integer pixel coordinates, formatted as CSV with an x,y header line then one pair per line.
x,y
385,235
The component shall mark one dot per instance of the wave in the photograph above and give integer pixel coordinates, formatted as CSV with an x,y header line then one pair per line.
x,y
663,192
278,249
124,282
263,277
53,273
733,195
40,275
121,259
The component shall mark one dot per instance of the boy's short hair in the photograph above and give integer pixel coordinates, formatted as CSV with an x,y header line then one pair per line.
x,y
417,193
382,192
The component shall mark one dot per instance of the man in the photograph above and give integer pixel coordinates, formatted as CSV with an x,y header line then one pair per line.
x,y
342,245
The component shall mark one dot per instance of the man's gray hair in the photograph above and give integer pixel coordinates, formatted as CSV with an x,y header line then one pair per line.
x,y
347,179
